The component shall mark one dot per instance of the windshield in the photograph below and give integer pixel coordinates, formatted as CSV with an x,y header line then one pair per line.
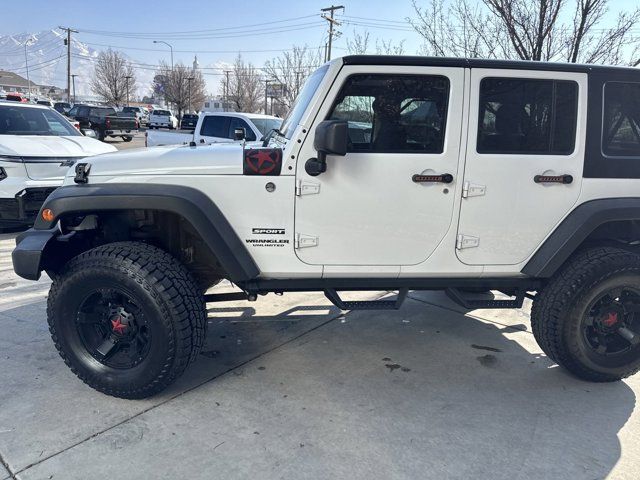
x,y
34,121
302,102
265,125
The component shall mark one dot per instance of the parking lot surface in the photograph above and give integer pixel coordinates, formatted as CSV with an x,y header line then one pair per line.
x,y
137,142
290,387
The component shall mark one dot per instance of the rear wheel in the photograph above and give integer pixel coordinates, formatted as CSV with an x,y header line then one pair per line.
x,y
127,318
587,319
127,139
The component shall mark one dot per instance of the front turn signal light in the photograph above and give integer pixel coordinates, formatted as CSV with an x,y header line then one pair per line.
x,y
47,215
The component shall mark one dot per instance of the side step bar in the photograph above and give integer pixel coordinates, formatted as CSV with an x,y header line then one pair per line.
x,y
465,301
334,298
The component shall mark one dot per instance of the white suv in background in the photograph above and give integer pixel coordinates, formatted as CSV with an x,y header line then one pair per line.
x,y
37,147
162,119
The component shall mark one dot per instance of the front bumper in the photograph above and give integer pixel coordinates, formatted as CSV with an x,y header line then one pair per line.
x,y
24,207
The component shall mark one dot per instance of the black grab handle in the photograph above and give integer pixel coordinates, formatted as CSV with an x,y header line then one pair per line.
x,y
565,179
444,178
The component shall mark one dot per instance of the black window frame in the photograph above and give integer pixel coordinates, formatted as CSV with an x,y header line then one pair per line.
x,y
554,81
445,116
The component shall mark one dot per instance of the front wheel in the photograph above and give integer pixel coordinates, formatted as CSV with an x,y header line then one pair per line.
x,y
127,318
587,318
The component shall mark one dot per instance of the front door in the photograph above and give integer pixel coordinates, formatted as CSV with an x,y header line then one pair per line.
x,y
524,161
389,201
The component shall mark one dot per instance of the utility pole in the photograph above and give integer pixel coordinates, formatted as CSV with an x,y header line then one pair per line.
x,y
331,21
73,81
266,90
190,79
26,62
127,78
226,90
67,42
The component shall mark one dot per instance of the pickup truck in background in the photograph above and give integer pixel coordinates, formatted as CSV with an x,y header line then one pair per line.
x,y
162,119
216,127
105,122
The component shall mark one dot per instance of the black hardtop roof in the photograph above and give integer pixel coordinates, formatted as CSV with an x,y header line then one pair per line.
x,y
406,60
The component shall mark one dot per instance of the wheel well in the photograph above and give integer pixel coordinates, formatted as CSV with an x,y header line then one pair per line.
x,y
626,232
167,230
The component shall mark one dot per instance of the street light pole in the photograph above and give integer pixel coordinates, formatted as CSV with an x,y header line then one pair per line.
x,y
73,81
170,48
190,79
127,78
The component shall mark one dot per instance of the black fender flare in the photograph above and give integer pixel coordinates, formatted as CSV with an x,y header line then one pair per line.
x,y
575,228
190,203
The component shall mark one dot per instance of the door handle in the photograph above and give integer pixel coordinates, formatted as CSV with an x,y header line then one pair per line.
x,y
565,179
444,178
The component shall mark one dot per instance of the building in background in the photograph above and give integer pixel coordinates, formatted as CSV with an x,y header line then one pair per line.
x,y
12,82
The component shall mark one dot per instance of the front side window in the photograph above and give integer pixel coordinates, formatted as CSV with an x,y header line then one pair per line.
x,y
621,120
215,126
527,116
394,113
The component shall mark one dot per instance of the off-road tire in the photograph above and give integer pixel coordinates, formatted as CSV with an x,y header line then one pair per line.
x,y
162,285
557,310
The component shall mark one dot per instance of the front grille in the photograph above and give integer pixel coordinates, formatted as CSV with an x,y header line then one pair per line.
x,y
37,194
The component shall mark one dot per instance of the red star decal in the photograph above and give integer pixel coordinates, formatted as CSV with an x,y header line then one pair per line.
x,y
611,320
262,162
117,326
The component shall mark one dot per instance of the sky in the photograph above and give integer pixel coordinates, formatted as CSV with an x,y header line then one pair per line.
x,y
216,30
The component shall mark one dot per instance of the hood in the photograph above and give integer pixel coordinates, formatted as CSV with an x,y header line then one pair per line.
x,y
50,146
215,159
45,157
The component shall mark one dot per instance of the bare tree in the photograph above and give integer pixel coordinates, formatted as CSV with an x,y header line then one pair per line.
x,y
113,78
243,89
183,87
291,70
527,30
359,44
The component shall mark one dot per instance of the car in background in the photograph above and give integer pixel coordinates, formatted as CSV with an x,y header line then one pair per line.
x,y
219,127
16,97
106,122
189,121
46,103
161,118
140,113
62,107
37,147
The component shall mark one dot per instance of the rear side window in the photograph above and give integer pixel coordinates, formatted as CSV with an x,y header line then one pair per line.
x,y
240,123
215,126
621,119
527,116
394,113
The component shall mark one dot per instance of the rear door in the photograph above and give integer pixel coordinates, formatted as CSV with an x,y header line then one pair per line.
x,y
524,161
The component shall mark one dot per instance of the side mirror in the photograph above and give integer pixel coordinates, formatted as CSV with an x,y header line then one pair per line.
x,y
239,134
87,132
332,137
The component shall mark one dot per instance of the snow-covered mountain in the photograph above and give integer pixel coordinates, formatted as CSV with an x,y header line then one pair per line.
x,y
47,56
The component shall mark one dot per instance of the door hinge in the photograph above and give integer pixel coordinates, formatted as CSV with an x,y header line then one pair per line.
x,y
305,241
306,188
472,190
466,241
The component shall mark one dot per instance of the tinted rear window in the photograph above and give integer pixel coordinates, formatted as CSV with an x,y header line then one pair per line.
x,y
215,126
621,119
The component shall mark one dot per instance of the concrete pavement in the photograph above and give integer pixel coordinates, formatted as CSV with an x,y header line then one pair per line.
x,y
289,387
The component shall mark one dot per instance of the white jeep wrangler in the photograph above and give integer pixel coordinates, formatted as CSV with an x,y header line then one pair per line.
x,y
390,173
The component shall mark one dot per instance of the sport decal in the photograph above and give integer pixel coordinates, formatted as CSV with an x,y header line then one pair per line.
x,y
262,161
